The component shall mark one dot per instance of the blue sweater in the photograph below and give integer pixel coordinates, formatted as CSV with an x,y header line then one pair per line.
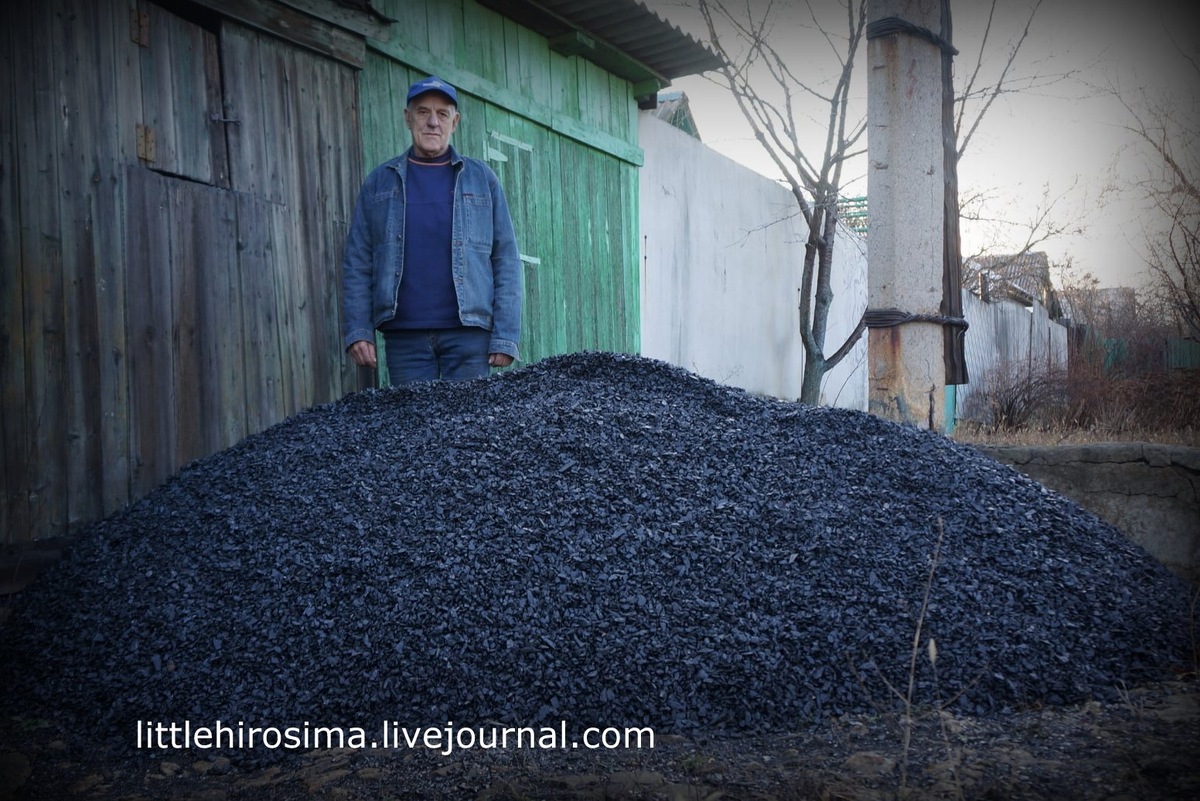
x,y
485,261
427,298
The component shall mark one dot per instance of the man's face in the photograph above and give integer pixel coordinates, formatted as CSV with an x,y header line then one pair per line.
x,y
432,118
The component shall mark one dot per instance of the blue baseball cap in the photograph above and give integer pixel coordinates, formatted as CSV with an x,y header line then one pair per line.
x,y
432,84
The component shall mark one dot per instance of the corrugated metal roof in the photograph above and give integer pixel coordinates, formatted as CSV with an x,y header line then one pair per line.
x,y
626,25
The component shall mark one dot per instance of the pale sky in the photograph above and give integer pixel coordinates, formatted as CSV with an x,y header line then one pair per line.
x,y
1063,139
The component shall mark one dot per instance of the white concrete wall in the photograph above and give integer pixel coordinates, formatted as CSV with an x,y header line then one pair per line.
x,y
722,253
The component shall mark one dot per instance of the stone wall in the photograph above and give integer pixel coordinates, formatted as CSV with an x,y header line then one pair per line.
x,y
1150,492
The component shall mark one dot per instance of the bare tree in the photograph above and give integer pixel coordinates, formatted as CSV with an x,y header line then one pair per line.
x,y
1172,185
983,85
1014,232
814,176
1029,228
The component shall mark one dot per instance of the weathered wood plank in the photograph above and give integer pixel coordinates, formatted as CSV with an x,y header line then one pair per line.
x,y
573,234
606,268
349,18
118,68
330,227
271,125
36,96
615,269
151,322
480,46
534,55
621,108
630,305
286,253
294,26
219,318
352,175
411,16
303,204
472,137
14,433
309,207
443,21
259,329
45,296
596,262
244,102
546,245
564,82
343,155
360,22
527,206
376,113
190,378
126,87
215,112
351,144
559,255
511,79
178,64
591,254
345,376
277,120
189,76
401,79
84,119
353,165
631,259
159,90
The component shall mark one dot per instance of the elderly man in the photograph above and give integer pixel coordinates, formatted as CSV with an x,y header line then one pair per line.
x,y
431,258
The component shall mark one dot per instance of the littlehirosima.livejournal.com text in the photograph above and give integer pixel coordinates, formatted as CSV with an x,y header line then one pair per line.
x,y
173,735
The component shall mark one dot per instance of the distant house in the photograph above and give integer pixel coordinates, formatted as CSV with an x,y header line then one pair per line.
x,y
674,110
1023,277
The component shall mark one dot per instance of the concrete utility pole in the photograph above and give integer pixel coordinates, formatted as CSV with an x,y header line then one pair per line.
x,y
906,190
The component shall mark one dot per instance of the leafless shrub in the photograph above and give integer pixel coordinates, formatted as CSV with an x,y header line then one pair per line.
x,y
1089,398
1162,401
1015,395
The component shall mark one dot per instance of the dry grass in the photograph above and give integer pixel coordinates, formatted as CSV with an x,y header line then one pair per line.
x,y
974,434
1022,406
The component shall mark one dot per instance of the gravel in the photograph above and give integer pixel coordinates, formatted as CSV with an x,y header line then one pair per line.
x,y
595,538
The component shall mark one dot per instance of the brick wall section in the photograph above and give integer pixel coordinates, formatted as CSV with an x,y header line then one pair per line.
x,y
1150,492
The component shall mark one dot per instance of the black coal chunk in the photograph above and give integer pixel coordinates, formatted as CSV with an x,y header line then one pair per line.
x,y
596,538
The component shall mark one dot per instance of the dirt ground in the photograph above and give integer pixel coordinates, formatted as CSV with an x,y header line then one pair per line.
x,y
1146,746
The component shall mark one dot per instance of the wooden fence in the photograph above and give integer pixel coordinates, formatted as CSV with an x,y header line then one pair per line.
x,y
174,194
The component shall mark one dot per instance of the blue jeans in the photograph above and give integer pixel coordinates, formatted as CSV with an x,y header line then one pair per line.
x,y
436,354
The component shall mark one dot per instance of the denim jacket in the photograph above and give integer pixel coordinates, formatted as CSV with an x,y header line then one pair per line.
x,y
484,256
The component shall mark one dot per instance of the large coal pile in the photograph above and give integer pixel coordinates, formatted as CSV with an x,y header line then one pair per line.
x,y
602,539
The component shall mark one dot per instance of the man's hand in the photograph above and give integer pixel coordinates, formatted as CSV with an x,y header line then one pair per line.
x,y
499,359
362,353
